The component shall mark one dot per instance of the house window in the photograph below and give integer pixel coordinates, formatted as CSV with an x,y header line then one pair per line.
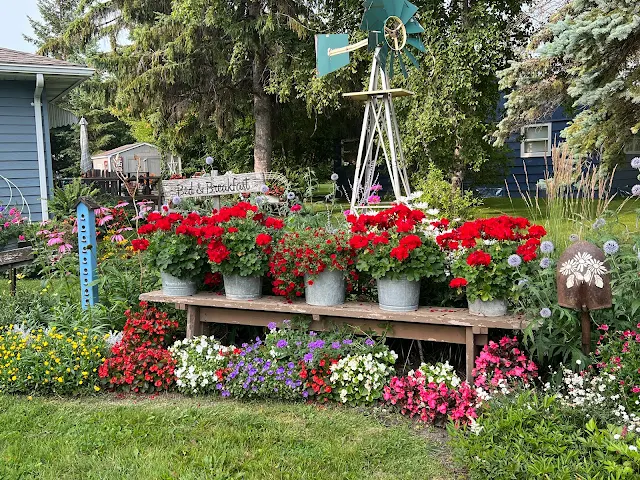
x,y
536,140
632,147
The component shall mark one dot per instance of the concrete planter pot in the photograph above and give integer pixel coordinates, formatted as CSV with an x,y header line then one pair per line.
x,y
398,295
490,308
242,288
175,286
328,288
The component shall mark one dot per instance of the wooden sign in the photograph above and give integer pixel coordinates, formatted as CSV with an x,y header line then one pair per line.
x,y
213,186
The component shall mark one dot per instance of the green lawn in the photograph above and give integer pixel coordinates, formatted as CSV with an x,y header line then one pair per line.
x,y
175,437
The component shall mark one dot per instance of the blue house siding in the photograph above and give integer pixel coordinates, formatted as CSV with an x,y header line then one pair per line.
x,y
18,149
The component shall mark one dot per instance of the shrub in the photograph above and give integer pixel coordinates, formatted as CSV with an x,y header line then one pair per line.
x,y
48,361
537,437
438,193
431,402
140,361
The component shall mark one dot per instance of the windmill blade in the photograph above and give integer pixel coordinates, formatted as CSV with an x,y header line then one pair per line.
x,y
413,27
402,67
375,38
374,16
416,43
393,8
411,58
408,11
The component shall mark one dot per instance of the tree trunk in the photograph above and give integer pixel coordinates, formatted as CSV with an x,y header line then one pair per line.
x,y
458,173
263,140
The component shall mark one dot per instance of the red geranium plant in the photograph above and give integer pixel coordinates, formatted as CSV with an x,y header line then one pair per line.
x,y
239,240
392,244
491,255
310,253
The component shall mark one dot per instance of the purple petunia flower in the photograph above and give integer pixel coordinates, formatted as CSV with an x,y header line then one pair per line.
x,y
312,333
369,342
281,343
291,365
335,345
226,393
280,370
261,379
347,341
219,386
305,394
308,357
272,326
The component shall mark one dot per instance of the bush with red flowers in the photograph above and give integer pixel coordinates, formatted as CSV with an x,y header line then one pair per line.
x,y
431,402
239,240
491,255
392,244
309,252
141,362
171,242
502,366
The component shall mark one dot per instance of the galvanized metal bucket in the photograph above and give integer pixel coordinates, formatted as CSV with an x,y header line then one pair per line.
x,y
326,289
242,288
175,286
398,295
490,308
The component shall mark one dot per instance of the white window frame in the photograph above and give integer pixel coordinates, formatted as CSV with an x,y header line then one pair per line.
x,y
523,141
629,148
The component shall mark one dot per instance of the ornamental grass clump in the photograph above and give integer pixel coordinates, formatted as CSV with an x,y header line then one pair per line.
x,y
140,361
392,244
47,361
491,255
309,253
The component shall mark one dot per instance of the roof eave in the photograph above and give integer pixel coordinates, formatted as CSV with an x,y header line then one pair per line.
x,y
78,71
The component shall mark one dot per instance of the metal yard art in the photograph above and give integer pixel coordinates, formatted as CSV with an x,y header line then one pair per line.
x,y
583,284
392,29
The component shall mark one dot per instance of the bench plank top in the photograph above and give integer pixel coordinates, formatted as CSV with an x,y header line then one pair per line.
x,y
458,317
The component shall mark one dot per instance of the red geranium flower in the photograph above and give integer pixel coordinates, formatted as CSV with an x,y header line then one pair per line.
x,y
458,282
263,239
478,258
139,244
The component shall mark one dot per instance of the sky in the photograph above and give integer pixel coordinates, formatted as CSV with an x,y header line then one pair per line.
x,y
13,23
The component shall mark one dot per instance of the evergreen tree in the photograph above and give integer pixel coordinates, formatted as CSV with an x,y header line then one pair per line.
x,y
585,59
56,17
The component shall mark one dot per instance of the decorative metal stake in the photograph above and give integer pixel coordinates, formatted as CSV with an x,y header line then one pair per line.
x,y
584,284
88,249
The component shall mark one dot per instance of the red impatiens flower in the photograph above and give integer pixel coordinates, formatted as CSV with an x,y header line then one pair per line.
x,y
478,258
296,208
263,239
140,244
458,282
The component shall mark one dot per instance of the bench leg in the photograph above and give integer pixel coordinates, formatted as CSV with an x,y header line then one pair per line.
x,y
470,353
194,325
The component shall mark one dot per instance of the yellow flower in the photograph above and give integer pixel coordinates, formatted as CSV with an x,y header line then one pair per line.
x,y
96,388
60,379
29,398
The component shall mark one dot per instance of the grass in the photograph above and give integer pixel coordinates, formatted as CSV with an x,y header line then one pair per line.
x,y
176,437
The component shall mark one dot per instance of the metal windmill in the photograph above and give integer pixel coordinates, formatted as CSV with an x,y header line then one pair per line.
x,y
392,29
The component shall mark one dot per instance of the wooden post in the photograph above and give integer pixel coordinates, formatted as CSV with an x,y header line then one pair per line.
x,y
216,199
14,278
585,323
194,325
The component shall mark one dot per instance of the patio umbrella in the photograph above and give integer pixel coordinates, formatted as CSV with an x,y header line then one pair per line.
x,y
85,156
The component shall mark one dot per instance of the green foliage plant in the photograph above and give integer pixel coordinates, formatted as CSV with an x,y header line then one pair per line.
x,y
63,202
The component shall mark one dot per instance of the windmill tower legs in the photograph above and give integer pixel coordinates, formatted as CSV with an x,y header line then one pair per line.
x,y
379,132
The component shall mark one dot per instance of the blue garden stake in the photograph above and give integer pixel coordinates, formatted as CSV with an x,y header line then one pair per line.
x,y
88,249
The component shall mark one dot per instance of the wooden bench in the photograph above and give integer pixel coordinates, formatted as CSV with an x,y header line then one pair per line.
x,y
12,259
436,324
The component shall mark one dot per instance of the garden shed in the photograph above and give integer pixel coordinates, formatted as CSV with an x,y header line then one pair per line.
x,y
30,85
125,159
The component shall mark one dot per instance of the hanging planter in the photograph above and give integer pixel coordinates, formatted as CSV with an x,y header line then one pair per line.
x,y
399,295
488,308
325,289
175,286
237,287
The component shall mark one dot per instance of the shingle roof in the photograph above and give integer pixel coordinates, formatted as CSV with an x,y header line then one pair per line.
x,y
121,149
8,56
